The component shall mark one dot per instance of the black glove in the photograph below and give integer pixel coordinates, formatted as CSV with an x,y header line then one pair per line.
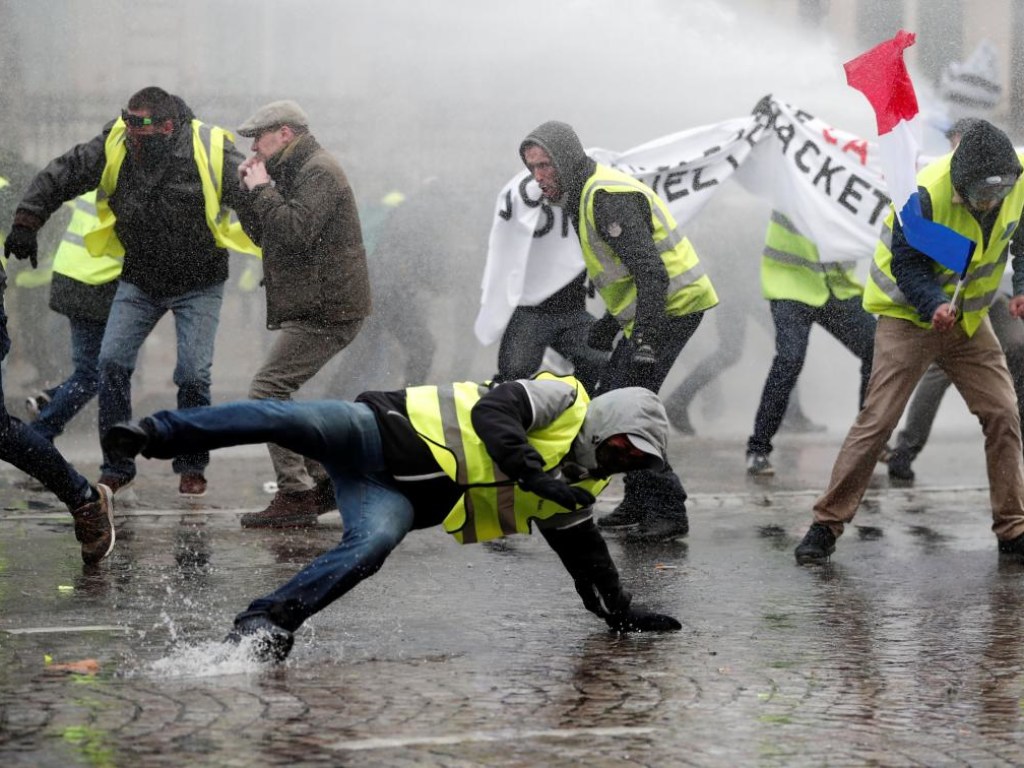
x,y
23,244
558,491
602,333
645,351
642,620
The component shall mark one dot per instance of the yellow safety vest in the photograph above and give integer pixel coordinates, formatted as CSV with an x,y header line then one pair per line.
x,y
73,258
493,505
791,268
208,149
882,295
689,288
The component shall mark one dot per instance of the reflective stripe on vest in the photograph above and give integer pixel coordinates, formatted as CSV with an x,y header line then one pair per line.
x,y
689,289
208,151
791,268
883,296
492,505
73,258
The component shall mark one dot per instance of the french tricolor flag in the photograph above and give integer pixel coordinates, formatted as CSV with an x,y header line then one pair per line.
x,y
881,75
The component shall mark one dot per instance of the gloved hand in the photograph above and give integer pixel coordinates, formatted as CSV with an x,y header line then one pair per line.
x,y
642,620
558,491
645,350
23,243
603,332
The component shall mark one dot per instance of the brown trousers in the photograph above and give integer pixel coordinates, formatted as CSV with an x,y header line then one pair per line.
x,y
977,368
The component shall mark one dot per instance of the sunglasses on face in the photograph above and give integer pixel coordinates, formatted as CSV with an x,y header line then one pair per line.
x,y
135,121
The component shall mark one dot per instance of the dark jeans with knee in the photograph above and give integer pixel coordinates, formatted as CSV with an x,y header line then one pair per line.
x,y
345,439
72,395
31,452
845,319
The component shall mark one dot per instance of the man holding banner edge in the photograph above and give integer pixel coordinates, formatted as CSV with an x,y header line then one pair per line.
x,y
936,269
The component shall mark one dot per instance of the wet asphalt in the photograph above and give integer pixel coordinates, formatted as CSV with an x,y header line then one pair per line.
x,y
906,649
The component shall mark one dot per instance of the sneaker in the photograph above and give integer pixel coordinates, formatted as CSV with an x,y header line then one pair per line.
x,y
1013,546
325,499
35,404
288,509
758,465
125,440
899,465
628,514
661,528
192,484
94,526
269,642
818,543
115,483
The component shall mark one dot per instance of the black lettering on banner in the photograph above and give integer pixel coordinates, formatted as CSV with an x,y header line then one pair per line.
x,y
506,212
850,191
549,221
565,222
733,162
530,202
799,156
654,183
803,117
826,174
785,134
698,185
883,204
672,181
712,150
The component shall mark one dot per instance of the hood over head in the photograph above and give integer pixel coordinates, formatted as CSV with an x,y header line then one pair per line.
x,y
633,411
561,142
985,156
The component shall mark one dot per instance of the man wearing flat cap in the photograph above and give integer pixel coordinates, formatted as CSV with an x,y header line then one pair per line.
x,y
303,214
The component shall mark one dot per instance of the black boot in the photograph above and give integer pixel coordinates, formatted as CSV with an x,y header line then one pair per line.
x,y
663,499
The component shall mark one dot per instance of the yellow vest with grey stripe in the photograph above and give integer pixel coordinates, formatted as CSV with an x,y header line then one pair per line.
x,y
882,295
208,150
689,288
791,268
493,505
73,258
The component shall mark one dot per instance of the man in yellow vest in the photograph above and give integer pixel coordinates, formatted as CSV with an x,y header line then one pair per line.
x,y
977,191
485,461
803,287
163,181
653,286
82,290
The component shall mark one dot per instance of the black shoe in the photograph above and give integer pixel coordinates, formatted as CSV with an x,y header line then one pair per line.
x,y
661,528
1012,547
125,440
899,466
628,514
325,498
269,641
819,542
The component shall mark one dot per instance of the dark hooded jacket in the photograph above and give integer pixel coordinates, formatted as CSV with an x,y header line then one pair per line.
x,y
984,152
160,209
314,263
631,214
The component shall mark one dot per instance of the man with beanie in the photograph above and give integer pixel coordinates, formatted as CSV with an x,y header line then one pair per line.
x,y
976,191
303,214
652,284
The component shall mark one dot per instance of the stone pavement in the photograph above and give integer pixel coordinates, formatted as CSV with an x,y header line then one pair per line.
x,y
905,650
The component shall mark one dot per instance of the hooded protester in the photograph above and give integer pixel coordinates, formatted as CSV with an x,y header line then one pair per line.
x,y
486,461
976,191
653,287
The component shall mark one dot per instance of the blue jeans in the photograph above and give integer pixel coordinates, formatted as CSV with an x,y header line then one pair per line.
x,y
133,316
69,397
33,454
845,319
345,439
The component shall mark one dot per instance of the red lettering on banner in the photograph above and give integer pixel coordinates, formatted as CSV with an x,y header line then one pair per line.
x,y
859,147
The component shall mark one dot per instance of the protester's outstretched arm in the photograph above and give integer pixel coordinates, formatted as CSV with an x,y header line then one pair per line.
x,y
585,556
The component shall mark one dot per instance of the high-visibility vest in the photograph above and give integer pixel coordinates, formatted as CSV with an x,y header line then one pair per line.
x,y
72,258
791,268
689,288
208,150
493,505
881,294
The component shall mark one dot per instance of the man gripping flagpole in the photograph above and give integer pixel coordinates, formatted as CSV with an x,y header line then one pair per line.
x,y
935,272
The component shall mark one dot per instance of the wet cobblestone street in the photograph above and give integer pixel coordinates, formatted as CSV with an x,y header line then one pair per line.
x,y
906,650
